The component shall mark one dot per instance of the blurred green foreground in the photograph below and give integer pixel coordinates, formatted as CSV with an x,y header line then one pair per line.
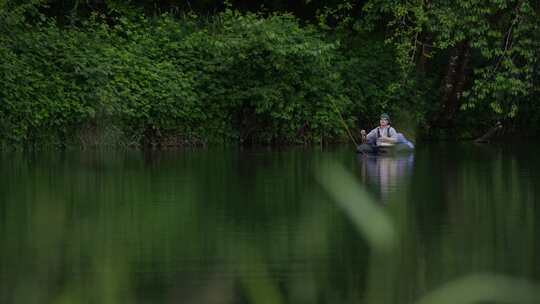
x,y
451,225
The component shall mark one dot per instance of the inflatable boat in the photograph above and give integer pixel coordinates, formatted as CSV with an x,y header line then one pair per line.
x,y
401,147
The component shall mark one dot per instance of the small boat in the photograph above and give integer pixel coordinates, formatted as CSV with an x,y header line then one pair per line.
x,y
401,147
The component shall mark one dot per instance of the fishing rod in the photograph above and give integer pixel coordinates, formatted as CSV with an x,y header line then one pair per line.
x,y
344,124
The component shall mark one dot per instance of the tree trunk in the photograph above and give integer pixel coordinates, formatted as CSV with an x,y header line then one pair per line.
x,y
424,52
453,85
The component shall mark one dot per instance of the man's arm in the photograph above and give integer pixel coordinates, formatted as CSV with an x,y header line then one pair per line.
x,y
372,135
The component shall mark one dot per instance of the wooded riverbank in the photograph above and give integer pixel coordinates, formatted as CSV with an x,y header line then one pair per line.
x,y
110,76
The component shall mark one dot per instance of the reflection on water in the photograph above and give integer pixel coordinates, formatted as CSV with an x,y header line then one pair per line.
x,y
255,226
386,173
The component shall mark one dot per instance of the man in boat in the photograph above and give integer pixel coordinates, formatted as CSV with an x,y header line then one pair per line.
x,y
382,135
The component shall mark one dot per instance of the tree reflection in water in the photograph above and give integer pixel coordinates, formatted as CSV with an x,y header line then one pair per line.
x,y
255,227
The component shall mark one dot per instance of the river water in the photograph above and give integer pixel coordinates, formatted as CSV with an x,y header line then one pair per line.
x,y
256,226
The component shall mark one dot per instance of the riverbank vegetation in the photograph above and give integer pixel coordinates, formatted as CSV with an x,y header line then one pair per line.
x,y
161,73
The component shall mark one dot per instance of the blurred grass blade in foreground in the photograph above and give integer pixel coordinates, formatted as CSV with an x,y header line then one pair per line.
x,y
370,220
484,288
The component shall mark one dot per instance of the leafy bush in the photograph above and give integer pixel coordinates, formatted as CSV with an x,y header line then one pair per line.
x,y
175,81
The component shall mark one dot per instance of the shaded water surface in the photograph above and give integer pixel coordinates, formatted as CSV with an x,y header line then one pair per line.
x,y
233,226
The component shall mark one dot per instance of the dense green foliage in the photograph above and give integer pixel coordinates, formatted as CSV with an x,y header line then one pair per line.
x,y
175,81
483,55
160,73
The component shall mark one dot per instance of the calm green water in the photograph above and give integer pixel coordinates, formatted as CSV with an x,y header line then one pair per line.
x,y
231,226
